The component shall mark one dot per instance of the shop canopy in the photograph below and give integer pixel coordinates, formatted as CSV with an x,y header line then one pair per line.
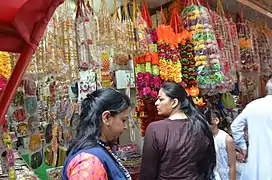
x,y
22,24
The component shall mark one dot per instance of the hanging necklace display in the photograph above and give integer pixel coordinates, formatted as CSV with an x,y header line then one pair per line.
x,y
86,36
19,115
3,155
31,105
131,120
62,109
87,84
48,149
35,142
30,87
105,69
52,89
69,115
75,117
48,133
33,124
73,91
70,65
30,91
105,36
21,130
19,97
55,144
122,27
7,155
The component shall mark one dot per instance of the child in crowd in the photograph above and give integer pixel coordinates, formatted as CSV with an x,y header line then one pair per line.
x,y
225,150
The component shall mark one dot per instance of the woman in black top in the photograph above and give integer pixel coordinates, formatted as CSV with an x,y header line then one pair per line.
x,y
181,146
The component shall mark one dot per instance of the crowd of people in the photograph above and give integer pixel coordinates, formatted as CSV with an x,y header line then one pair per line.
x,y
187,145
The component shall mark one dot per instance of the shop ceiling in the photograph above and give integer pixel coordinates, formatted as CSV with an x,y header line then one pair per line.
x,y
262,12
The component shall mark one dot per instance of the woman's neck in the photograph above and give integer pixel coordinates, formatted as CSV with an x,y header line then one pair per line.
x,y
215,131
103,139
178,115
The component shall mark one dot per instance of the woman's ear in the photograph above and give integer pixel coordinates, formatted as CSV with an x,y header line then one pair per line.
x,y
217,121
106,117
175,103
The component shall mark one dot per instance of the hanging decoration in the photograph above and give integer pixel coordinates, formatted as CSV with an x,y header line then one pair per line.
x,y
5,70
187,59
105,34
248,63
169,56
86,37
206,50
222,31
265,53
148,81
235,55
124,37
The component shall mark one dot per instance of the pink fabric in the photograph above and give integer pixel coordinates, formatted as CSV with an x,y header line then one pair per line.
x,y
86,167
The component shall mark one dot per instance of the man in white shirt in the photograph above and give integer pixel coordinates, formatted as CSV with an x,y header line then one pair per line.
x,y
258,116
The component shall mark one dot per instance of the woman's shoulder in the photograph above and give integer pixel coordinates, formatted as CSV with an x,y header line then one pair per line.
x,y
156,125
85,165
223,134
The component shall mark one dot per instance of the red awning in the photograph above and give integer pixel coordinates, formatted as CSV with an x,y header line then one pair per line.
x,y
22,24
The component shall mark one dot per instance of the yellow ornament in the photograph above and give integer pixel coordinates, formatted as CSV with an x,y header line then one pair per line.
x,y
5,64
196,48
203,58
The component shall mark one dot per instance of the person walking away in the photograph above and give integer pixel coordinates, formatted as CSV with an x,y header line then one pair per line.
x,y
257,115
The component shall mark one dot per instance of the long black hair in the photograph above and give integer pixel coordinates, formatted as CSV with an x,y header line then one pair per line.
x,y
212,112
199,128
88,130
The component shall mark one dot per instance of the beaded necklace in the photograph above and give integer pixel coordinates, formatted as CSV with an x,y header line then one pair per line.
x,y
117,159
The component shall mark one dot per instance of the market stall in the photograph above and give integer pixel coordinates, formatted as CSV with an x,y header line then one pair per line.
x,y
216,56
22,27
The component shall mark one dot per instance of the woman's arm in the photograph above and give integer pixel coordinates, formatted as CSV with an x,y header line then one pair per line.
x,y
231,158
85,167
150,159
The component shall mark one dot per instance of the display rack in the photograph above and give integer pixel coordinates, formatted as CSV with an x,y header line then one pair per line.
x,y
22,24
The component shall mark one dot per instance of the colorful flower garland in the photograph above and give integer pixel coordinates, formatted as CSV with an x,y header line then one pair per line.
x,y
188,67
5,69
169,56
206,49
187,59
148,83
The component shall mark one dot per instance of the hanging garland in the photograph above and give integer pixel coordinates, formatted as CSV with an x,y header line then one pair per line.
x,y
247,61
187,59
207,56
169,56
221,29
5,69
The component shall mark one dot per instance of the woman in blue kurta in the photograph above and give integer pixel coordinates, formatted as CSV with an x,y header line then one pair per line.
x,y
102,120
